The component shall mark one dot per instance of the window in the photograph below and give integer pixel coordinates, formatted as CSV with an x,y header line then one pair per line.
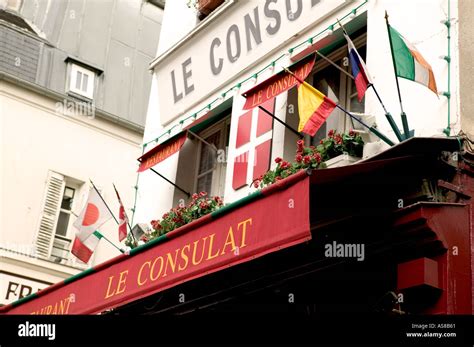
x,y
210,174
81,81
55,232
65,211
338,87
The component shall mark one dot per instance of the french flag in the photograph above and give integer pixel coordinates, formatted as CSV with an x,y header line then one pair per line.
x,y
359,71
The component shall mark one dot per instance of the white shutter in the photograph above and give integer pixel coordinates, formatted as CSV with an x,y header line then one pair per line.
x,y
50,213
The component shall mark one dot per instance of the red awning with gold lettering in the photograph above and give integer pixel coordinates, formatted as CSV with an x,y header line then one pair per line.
x,y
174,143
271,219
279,83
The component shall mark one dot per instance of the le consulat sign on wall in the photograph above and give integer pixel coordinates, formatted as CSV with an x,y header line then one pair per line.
x,y
229,45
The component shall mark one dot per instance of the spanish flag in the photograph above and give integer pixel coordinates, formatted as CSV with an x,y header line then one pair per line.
x,y
314,108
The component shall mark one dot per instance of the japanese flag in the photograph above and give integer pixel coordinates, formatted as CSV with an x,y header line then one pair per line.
x,y
94,214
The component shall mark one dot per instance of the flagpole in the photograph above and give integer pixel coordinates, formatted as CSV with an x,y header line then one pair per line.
x,y
108,208
120,200
106,239
173,184
289,127
389,117
334,64
372,129
406,128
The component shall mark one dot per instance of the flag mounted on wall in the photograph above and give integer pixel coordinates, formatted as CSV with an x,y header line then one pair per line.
x,y
123,218
409,63
83,249
94,214
314,108
358,68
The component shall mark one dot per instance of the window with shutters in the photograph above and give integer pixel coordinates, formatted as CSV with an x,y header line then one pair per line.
x,y
55,233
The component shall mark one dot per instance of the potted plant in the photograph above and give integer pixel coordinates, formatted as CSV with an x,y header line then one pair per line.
x,y
341,149
305,158
335,150
204,7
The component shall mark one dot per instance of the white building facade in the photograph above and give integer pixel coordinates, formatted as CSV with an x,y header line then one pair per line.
x,y
45,181
74,85
204,67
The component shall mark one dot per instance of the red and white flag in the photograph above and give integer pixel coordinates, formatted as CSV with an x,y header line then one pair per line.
x,y
84,249
94,214
123,219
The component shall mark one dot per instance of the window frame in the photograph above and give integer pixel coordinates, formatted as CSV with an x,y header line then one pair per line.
x,y
70,232
345,87
219,169
72,80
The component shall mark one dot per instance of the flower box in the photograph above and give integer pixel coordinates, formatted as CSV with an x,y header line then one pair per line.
x,y
365,118
341,160
205,7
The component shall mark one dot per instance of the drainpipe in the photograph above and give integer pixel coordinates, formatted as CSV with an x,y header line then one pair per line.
x,y
447,94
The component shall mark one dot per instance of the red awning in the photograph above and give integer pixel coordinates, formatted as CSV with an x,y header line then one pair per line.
x,y
278,83
174,143
162,151
237,233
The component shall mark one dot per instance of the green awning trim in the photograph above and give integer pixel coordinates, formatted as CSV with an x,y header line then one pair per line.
x,y
149,244
25,299
244,201
79,275
216,114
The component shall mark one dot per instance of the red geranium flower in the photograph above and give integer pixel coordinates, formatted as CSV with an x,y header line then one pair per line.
x,y
331,133
317,157
195,196
278,178
307,159
300,144
352,133
256,183
299,158
203,205
202,194
278,160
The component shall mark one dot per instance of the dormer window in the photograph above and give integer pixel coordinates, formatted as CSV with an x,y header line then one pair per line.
x,y
81,81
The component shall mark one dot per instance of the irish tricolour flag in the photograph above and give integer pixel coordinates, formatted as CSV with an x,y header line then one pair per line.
x,y
410,64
